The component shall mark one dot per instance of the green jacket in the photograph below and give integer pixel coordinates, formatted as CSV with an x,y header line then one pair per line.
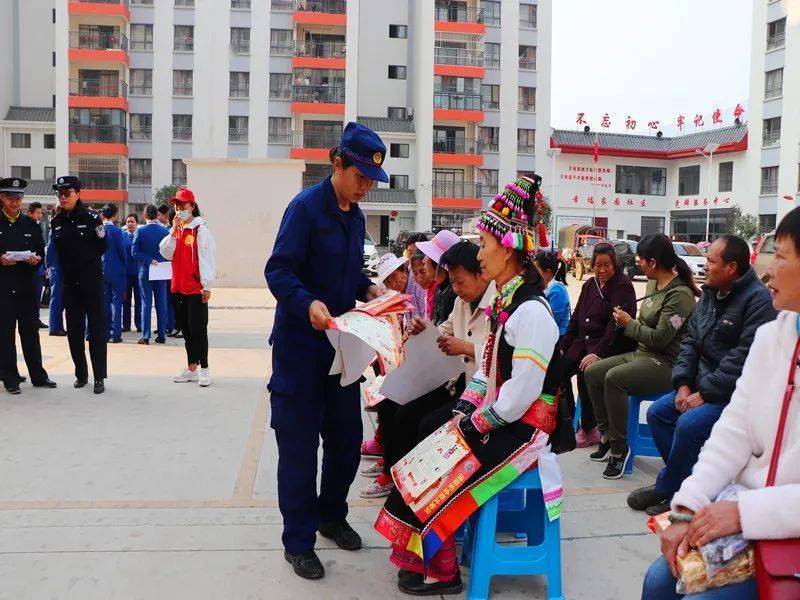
x,y
663,320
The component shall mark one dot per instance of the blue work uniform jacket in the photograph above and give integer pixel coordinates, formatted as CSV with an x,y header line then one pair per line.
x,y
318,255
131,265
115,258
145,244
51,255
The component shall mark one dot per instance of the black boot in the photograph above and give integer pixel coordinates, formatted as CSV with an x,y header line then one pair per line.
x,y
414,585
79,383
99,386
340,532
306,564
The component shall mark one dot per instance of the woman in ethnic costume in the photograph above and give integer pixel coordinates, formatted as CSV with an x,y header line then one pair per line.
x,y
504,415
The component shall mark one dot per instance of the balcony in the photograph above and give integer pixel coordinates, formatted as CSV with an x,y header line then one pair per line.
x,y
240,4
457,152
771,138
458,62
284,5
776,41
457,194
100,8
102,181
96,93
98,134
237,136
96,46
181,134
490,145
390,196
458,19
773,92
142,134
455,106
527,63
281,48
318,99
313,145
319,55
321,12
280,138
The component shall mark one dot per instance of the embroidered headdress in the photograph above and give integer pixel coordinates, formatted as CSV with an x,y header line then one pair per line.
x,y
516,214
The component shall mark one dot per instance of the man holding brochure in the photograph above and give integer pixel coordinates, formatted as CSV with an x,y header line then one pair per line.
x,y
152,277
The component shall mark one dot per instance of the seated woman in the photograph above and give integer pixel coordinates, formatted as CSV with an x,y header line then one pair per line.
x,y
668,303
592,333
503,415
555,292
441,296
743,444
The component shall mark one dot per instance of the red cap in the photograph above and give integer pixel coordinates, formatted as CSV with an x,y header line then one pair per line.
x,y
183,194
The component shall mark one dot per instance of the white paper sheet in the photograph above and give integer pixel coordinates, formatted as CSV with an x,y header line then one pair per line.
x,y
352,356
424,369
160,272
19,255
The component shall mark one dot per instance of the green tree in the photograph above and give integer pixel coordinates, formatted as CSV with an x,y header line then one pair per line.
x,y
744,225
163,194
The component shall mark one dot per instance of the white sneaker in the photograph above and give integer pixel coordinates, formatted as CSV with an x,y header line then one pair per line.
x,y
204,377
373,469
185,376
376,490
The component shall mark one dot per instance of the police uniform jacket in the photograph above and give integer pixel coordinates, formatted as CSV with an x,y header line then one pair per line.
x,y
22,234
79,245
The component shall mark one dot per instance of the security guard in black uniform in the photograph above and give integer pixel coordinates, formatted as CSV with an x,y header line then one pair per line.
x,y
79,237
19,233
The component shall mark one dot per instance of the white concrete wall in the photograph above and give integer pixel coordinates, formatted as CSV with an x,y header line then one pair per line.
x,y
509,82
37,43
259,77
161,145
62,88
421,28
37,157
244,225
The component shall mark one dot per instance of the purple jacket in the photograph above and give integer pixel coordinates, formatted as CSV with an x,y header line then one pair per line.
x,y
418,296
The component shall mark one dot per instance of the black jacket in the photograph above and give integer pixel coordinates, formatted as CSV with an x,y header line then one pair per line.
x,y
444,299
22,234
80,242
719,336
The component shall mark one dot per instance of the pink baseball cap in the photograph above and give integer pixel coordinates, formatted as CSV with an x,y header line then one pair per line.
x,y
441,243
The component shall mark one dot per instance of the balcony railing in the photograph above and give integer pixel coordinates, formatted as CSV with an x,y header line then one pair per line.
x,y
240,47
283,5
315,139
184,45
182,134
490,145
455,100
771,138
526,106
335,7
281,48
390,196
141,89
280,137
239,91
97,88
488,104
142,134
141,179
102,181
124,2
318,93
527,62
525,148
769,187
488,189
491,62
96,40
774,92
457,189
453,146
237,136
309,180
142,2
142,44
241,4
458,56
776,41
457,14
182,90
281,92
320,49
98,134
189,3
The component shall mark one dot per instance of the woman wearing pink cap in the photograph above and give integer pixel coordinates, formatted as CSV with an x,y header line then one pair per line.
x,y
440,294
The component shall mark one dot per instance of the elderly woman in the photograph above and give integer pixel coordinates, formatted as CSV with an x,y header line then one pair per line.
x,y
592,333
743,444
503,413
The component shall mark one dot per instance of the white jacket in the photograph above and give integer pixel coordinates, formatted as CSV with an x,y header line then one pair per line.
x,y
205,250
741,442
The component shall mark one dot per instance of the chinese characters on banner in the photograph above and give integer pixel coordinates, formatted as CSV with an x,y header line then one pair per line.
x,y
680,121
595,176
701,202
594,201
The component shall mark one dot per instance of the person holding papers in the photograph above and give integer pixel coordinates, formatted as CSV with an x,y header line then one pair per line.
x,y
145,250
190,247
504,415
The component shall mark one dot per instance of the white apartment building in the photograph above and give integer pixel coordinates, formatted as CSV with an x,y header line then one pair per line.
x,y
148,83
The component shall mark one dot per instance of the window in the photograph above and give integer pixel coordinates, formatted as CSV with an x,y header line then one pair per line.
x,y
398,150
398,182
398,31
489,138
49,141
49,173
141,82
178,172
280,86
240,4
240,40
649,181
280,42
142,2
490,97
280,130
396,112
771,133
773,84
527,99
726,176
488,179
689,180
649,226
182,127
769,180
184,3
776,34
526,141
527,16
527,58
184,38
491,12
140,171
767,222
239,84
237,129
283,5
397,72
181,82
491,57
20,140
141,127
24,172
142,37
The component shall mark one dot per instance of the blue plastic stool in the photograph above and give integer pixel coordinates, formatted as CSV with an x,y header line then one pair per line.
x,y
540,556
640,439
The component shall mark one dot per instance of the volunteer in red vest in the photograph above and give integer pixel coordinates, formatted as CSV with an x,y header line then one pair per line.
x,y
190,247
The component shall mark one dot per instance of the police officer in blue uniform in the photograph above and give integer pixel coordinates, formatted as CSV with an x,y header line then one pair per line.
x,y
315,272
115,261
80,240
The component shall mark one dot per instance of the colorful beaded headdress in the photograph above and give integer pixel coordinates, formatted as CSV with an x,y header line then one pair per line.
x,y
514,215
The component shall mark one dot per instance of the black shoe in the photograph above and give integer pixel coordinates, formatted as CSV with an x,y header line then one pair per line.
x,y
13,388
126,329
143,342
79,383
43,325
178,335
601,454
645,497
657,509
45,383
138,330
58,333
160,340
307,565
340,532
99,386
416,586
171,333
616,465
115,341
22,378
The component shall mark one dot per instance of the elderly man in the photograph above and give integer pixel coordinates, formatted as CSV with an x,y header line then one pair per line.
x,y
734,304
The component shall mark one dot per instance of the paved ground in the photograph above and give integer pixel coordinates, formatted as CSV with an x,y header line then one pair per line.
x,y
158,490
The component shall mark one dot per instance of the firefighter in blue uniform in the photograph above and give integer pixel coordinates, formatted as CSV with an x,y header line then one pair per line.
x,y
115,260
315,272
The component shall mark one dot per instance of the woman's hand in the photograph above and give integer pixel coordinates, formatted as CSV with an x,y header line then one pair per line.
x,y
206,296
417,326
375,291
674,543
621,317
452,346
177,225
714,521
589,359
6,261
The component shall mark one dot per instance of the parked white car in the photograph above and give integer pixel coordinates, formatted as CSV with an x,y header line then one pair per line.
x,y
693,256
370,256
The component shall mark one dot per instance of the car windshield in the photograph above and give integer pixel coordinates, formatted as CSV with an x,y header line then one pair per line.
x,y
368,240
687,250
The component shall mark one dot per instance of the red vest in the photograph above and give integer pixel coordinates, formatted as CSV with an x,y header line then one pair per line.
x,y
186,264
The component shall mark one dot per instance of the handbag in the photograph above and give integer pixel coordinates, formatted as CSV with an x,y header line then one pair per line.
x,y
778,561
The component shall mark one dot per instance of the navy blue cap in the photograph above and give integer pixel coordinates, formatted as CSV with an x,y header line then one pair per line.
x,y
67,181
365,149
13,185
